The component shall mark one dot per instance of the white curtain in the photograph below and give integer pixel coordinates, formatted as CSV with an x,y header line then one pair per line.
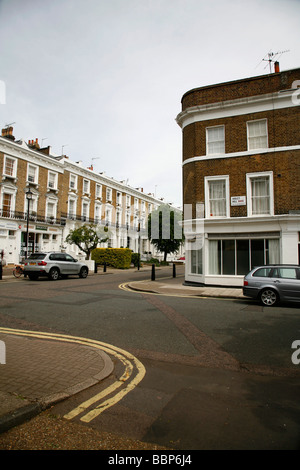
x,y
274,255
257,134
215,140
217,198
260,194
213,264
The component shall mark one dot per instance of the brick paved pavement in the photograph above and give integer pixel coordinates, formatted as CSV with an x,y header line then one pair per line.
x,y
39,372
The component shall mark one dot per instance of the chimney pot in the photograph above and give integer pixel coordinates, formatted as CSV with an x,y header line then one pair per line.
x,y
276,67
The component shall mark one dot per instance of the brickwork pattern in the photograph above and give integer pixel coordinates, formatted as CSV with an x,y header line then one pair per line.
x,y
38,368
240,88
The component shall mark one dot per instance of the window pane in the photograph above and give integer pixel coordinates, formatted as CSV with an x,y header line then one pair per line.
x,y
228,257
215,257
215,140
263,272
242,249
196,262
260,195
257,134
273,251
217,198
9,166
257,253
6,207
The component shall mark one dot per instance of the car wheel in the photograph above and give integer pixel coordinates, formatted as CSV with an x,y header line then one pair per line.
x,y
83,272
54,274
33,277
268,297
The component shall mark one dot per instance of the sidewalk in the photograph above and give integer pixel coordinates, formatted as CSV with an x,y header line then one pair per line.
x,y
175,286
38,372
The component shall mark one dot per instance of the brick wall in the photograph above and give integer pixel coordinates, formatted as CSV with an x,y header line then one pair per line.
x,y
283,130
240,88
286,178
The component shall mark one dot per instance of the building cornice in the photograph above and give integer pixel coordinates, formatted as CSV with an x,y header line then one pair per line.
x,y
224,109
35,157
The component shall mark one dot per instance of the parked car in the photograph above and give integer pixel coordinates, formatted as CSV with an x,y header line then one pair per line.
x,y
53,265
273,283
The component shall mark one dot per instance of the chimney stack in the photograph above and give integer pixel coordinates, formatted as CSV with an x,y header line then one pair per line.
x,y
8,133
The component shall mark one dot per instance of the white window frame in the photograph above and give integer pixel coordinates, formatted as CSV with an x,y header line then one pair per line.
x,y
52,173
208,142
85,203
97,214
108,195
207,181
73,178
250,145
98,191
14,169
72,215
54,202
86,186
36,173
249,178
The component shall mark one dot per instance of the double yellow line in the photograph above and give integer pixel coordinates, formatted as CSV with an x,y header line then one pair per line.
x,y
133,373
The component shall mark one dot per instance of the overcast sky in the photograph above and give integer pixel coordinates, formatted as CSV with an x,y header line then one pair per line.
x,y
105,78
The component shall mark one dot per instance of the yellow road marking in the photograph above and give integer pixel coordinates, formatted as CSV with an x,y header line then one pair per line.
x,y
127,359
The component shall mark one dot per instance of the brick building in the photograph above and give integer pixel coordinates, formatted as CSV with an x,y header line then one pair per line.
x,y
65,195
241,176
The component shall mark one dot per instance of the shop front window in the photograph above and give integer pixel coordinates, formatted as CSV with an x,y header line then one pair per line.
x,y
238,257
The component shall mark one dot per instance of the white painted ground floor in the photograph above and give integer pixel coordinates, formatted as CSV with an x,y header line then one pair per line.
x,y
51,237
221,251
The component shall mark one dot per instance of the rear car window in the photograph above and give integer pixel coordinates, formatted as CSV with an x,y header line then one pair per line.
x,y
262,272
37,256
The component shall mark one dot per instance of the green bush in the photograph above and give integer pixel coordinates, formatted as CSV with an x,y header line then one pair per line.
x,y
154,261
135,258
119,258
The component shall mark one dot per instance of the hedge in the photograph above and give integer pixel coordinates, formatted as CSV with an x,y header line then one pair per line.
x,y
115,257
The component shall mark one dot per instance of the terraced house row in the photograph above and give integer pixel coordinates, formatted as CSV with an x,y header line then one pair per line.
x,y
241,176
63,195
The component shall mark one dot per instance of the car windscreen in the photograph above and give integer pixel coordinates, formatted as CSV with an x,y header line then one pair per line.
x,y
37,256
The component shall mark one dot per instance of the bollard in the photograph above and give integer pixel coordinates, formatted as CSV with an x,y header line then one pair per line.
x,y
153,273
174,270
0,270
96,268
104,268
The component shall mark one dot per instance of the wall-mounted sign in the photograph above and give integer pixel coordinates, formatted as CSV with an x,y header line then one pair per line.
x,y
238,201
41,227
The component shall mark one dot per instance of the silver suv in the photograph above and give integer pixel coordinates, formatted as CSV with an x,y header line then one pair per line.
x,y
273,283
53,265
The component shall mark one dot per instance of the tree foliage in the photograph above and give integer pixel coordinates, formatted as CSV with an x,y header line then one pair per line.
x,y
87,237
164,230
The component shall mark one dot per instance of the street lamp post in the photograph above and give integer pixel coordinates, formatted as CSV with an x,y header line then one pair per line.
x,y
29,198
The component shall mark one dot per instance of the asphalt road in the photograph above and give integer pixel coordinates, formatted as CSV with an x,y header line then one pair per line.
x,y
219,373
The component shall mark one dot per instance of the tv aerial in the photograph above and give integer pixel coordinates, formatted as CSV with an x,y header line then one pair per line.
x,y
272,57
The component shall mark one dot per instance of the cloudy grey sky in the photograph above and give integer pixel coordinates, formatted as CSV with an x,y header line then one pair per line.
x,y
105,78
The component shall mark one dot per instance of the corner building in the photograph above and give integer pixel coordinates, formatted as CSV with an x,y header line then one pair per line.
x,y
241,175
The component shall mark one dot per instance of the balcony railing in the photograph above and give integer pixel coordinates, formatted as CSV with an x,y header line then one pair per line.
x,y
33,217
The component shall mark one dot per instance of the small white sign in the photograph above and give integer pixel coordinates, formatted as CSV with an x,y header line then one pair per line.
x,y
238,201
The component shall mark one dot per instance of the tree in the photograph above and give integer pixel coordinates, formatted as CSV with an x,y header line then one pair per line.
x,y
86,237
164,230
